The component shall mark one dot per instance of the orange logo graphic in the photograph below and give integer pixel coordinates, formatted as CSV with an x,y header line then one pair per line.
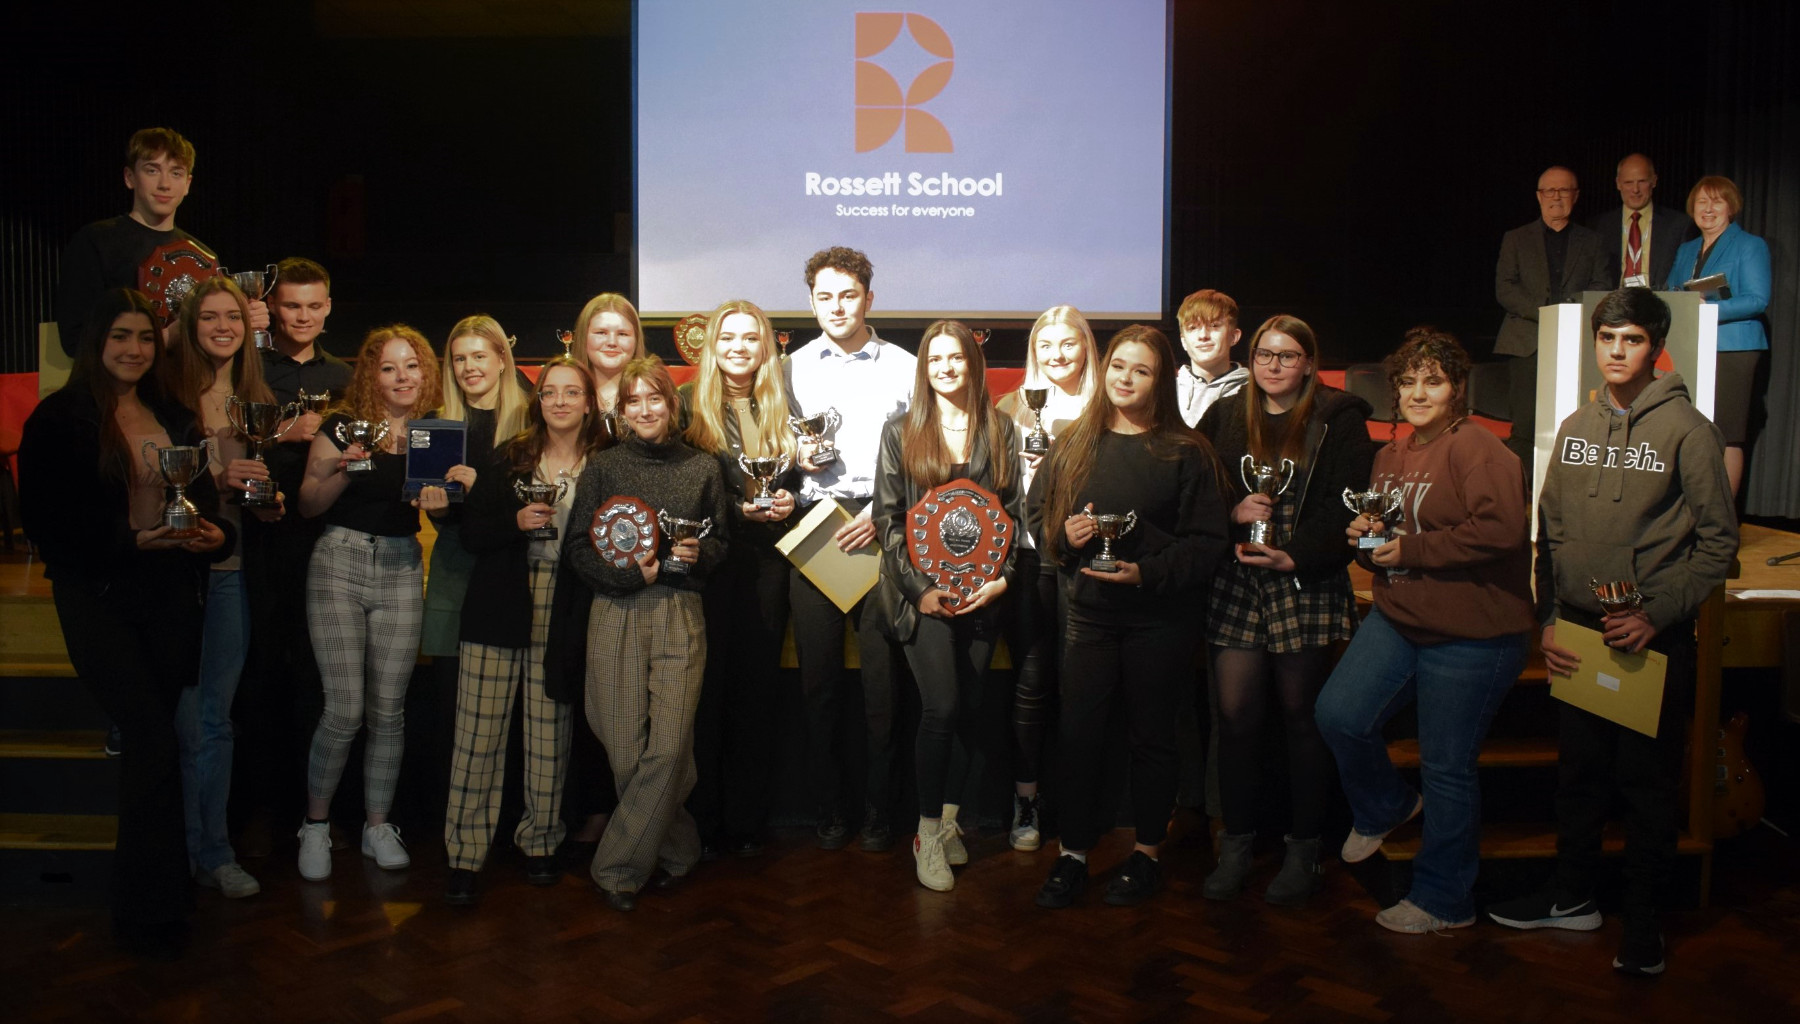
x,y
881,107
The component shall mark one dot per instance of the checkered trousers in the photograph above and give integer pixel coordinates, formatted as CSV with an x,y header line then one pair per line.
x,y
486,683
646,654
1257,608
364,606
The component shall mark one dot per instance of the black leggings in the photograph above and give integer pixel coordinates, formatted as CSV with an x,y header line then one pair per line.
x,y
949,660
1031,630
1241,678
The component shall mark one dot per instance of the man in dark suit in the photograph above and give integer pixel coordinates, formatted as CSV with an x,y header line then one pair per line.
x,y
1548,261
1638,238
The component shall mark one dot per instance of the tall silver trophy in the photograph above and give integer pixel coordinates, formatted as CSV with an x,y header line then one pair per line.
x,y
256,284
1265,480
260,423
761,472
1037,442
364,434
179,466
537,492
812,429
1375,506
1110,526
679,529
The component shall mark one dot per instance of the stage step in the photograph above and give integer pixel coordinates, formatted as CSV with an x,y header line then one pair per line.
x,y
1497,752
1531,840
65,744
58,831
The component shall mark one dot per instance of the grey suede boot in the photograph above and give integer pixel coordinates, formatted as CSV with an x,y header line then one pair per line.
x,y
1227,880
1299,875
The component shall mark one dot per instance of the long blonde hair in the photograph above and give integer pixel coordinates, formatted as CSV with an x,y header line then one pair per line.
x,y
1090,352
609,302
707,429
512,407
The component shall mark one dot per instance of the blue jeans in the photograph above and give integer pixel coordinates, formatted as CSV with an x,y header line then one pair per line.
x,y
203,721
1458,686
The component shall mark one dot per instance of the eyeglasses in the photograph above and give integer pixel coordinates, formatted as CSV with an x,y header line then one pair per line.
x,y
550,395
1557,193
1288,360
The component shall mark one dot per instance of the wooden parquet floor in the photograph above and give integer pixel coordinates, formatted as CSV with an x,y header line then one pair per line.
x,y
805,935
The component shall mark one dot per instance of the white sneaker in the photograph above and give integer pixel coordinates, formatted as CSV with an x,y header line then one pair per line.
x,y
232,881
1025,835
928,861
315,851
382,844
950,835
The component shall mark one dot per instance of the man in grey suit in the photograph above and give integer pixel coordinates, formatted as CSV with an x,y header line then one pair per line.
x,y
1641,257
1550,260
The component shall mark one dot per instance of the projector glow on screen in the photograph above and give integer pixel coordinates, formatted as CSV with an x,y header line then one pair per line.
x,y
992,158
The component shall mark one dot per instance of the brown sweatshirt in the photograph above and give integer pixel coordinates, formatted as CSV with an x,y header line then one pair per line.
x,y
1465,559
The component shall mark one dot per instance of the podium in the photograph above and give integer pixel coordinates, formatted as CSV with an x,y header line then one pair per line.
x,y
1568,376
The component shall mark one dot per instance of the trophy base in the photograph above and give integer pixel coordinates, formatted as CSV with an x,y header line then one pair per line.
x,y
182,524
542,533
1035,445
675,567
359,466
259,494
1104,565
1369,542
763,504
1259,537
265,341
824,457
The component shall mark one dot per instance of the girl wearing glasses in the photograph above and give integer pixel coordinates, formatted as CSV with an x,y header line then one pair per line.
x,y
1277,607
505,625
738,406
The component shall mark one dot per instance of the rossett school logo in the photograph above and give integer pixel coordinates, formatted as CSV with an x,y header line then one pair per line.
x,y
882,108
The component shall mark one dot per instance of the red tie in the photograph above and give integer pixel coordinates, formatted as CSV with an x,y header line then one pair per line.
x,y
1634,247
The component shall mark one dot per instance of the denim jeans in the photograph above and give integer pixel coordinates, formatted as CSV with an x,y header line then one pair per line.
x,y
1458,686
203,721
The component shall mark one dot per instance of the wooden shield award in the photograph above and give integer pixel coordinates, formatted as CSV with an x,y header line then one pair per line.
x,y
690,337
623,531
958,536
171,271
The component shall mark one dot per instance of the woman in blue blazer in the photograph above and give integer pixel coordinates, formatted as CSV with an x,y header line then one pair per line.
x,y
1725,248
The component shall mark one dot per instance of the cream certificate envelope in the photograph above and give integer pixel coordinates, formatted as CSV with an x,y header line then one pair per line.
x,y
843,577
1619,687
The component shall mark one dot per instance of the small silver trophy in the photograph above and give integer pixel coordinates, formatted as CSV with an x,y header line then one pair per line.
x,y
260,423
365,435
782,338
257,284
1110,527
1265,480
1037,442
679,529
178,465
762,471
1618,597
1375,506
812,429
537,492
313,403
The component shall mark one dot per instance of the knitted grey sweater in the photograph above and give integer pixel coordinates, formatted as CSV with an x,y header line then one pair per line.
x,y
670,477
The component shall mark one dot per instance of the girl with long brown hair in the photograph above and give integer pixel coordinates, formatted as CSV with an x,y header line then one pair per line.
x,y
1128,638
1277,607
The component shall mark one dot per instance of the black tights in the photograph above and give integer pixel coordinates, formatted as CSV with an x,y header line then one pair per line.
x,y
1242,678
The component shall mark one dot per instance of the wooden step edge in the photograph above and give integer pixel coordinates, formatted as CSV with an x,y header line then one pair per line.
x,y
35,668
1497,752
1516,841
58,831
67,744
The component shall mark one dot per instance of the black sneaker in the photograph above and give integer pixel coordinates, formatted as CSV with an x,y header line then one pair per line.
x,y
460,890
1068,877
833,834
1138,879
877,834
1547,910
1640,952
543,870
113,746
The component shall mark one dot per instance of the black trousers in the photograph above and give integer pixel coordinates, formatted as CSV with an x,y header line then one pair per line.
x,y
135,643
1521,404
734,730
1134,667
279,697
1597,757
949,660
819,645
1030,621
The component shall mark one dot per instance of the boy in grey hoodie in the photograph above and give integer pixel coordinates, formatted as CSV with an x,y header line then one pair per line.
x,y
1636,491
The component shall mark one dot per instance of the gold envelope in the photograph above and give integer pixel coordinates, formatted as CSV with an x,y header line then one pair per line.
x,y
843,577
1619,687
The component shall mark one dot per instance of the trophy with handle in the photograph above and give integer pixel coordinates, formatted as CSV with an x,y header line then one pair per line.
x,y
678,530
1375,506
812,429
1037,442
257,284
1620,597
178,465
762,471
1110,526
537,492
260,423
366,435
1268,481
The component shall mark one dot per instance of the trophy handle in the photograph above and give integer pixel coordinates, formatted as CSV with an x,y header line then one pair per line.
x,y
662,520
1090,514
1287,475
234,414
290,414
1130,522
271,274
562,488
782,461
1350,501
381,434
150,446
832,419
1395,500
705,528
1245,465
519,490
343,438
744,463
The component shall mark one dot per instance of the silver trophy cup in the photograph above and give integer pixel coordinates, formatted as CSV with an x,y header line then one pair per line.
x,y
1618,597
1375,506
761,472
812,429
257,284
1037,442
364,434
260,423
313,403
178,465
679,529
1265,480
537,492
1109,527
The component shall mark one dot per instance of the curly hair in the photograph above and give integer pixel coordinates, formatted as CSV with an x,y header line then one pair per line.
x,y
1423,347
842,259
362,398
